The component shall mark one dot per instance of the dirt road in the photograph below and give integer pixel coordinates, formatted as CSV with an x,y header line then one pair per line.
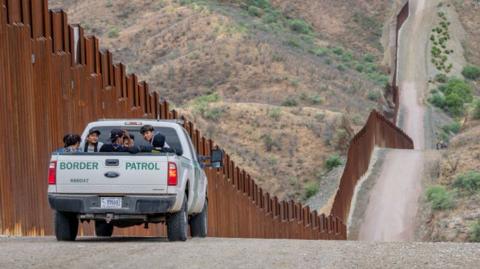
x,y
393,202
231,253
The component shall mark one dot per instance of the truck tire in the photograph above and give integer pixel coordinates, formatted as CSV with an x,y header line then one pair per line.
x,y
66,226
199,222
104,229
177,224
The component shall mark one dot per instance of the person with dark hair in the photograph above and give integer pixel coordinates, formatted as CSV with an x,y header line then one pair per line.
x,y
147,132
117,137
92,144
129,142
71,143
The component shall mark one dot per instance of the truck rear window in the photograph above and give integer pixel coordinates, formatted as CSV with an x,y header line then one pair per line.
x,y
170,134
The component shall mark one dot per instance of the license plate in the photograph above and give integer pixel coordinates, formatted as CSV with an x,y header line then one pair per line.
x,y
111,202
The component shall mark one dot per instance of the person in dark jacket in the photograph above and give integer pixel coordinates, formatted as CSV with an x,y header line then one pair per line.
x,y
92,144
117,137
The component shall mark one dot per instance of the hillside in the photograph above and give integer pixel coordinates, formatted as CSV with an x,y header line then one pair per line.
x,y
282,86
453,194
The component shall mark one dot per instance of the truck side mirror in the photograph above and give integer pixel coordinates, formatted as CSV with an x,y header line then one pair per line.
x,y
217,158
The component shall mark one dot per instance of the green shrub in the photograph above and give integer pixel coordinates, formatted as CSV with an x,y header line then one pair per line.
x,y
452,128
315,99
454,104
437,99
213,113
260,3
347,57
320,51
341,67
471,72
369,58
113,32
270,17
255,11
456,92
269,142
200,104
311,188
337,50
332,162
299,26
290,101
442,78
294,42
374,95
476,110
439,198
474,232
275,113
359,67
469,181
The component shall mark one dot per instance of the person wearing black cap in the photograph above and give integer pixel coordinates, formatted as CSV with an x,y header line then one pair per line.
x,y
116,137
92,144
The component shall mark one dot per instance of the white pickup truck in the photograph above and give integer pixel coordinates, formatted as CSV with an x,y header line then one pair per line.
x,y
121,189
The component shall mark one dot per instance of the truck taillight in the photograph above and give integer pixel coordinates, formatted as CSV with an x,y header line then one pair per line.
x,y
172,174
52,173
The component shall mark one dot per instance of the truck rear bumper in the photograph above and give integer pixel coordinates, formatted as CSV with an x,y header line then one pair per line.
x,y
131,204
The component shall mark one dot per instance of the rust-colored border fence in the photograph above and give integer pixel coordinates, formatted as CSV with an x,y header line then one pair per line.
x,y
54,80
400,20
378,131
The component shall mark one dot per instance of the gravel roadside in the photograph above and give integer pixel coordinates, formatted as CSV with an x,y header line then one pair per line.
x,y
231,253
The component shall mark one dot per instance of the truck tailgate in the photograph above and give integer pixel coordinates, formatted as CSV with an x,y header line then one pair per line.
x,y
109,174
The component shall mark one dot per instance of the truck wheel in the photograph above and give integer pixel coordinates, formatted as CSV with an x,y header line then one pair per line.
x,y
66,226
199,222
177,224
102,228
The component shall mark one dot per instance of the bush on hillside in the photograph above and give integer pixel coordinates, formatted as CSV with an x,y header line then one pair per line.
x,y
374,95
332,162
453,96
311,188
474,232
442,78
471,72
275,113
469,181
255,11
437,99
290,101
113,33
259,3
300,26
476,110
453,128
439,198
